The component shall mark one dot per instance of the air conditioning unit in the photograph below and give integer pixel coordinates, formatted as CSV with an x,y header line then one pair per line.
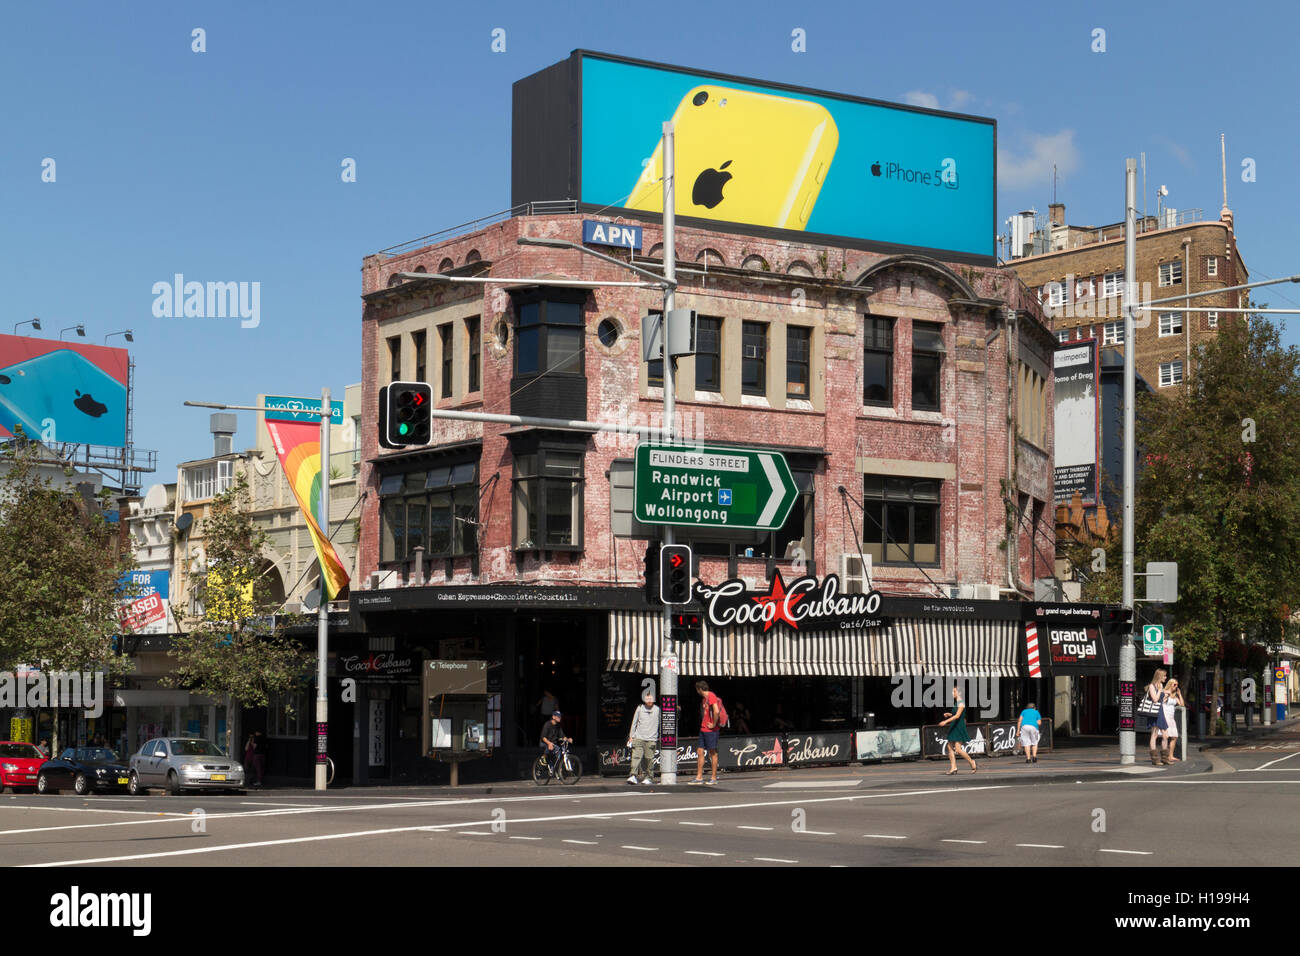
x,y
961,592
387,579
855,573
986,592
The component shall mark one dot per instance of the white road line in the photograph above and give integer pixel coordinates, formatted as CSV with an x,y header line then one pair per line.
x,y
1131,852
446,827
817,832
692,823
882,836
812,784
647,849
703,853
474,833
582,842
645,820
1042,846
772,859
525,838
251,803
1265,766
742,827
136,813
964,841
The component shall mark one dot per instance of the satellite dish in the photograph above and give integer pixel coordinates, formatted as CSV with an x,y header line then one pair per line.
x,y
312,601
183,522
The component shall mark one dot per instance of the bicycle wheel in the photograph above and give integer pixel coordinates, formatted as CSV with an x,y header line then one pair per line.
x,y
570,769
541,773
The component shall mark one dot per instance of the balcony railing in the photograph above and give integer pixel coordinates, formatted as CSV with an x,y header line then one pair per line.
x,y
556,207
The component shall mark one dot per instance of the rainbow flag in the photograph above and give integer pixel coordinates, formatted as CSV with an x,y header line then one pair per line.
x,y
297,445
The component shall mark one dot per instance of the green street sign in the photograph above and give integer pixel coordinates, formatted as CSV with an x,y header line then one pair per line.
x,y
712,487
1153,639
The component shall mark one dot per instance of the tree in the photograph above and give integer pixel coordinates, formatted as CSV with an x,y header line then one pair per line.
x,y
60,571
236,653
1220,493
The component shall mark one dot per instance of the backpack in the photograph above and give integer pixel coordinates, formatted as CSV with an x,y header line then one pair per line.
x,y
723,720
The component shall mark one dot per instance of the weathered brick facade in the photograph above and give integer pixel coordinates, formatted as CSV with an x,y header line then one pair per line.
x,y
992,325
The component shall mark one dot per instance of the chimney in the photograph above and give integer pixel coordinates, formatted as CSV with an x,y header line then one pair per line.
x,y
1056,213
222,426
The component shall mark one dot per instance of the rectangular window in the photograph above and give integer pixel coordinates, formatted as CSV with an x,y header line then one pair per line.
x,y
753,360
288,714
798,361
1112,284
1056,294
444,335
1171,323
200,483
421,354
1063,335
708,354
1113,333
435,509
548,500
927,364
1211,320
901,523
225,475
395,359
1212,266
654,370
1171,373
1171,273
472,327
878,362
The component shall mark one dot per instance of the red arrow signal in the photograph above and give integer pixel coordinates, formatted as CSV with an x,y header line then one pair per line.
x,y
675,560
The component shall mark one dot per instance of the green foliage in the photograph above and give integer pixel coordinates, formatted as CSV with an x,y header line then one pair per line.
x,y
59,571
1227,509
236,652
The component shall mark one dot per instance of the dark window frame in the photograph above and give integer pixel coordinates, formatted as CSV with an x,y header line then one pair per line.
x,y
930,356
551,478
542,327
419,345
878,533
654,369
876,343
799,334
457,478
474,332
747,329
394,358
446,342
704,331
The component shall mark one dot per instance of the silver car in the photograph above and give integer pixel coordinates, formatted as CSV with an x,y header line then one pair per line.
x,y
183,763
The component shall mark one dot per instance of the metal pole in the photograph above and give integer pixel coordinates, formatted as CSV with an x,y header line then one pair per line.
x,y
1128,651
323,612
668,660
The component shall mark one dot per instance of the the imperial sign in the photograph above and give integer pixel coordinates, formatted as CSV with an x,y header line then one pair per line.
x,y
802,605
712,487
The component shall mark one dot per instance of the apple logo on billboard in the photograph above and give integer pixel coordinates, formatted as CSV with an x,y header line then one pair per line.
x,y
87,404
707,191
875,169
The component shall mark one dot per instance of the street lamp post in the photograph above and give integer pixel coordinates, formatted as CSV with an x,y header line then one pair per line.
x,y
34,323
81,331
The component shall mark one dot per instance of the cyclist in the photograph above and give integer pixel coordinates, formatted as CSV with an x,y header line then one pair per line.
x,y
552,737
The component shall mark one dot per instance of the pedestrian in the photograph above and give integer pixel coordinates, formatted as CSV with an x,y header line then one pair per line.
x,y
1156,691
709,719
643,738
250,752
44,746
259,756
957,734
1173,699
1028,730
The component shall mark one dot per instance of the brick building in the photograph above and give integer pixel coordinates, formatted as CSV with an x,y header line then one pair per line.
x,y
921,388
1078,274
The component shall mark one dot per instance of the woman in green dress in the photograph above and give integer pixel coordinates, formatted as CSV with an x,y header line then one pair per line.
x,y
957,734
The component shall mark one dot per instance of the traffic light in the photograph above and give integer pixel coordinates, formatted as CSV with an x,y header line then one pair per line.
x,y
404,414
1118,620
652,572
675,574
686,625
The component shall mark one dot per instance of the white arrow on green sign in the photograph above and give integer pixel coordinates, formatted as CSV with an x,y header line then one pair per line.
x,y
708,487
1153,639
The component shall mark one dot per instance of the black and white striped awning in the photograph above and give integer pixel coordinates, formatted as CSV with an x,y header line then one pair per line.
x,y
906,647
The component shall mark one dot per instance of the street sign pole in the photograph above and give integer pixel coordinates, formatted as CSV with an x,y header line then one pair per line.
x,y
668,655
323,612
1128,652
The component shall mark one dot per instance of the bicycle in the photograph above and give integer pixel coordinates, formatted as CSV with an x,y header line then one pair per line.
x,y
567,768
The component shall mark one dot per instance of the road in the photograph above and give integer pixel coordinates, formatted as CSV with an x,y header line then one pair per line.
x,y
835,817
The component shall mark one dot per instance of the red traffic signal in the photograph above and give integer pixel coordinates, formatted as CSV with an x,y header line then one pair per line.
x,y
686,626
675,574
404,414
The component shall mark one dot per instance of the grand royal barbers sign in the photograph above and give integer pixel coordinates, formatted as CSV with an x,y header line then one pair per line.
x,y
804,604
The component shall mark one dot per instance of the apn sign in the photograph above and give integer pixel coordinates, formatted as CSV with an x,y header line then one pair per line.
x,y
610,234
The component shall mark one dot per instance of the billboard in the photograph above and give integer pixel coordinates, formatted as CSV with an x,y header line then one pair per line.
x,y
148,610
63,391
767,157
1076,422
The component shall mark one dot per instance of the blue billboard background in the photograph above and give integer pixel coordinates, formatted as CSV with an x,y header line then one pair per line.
x,y
624,106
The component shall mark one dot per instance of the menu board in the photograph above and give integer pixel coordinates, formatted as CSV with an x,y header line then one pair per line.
x,y
1127,714
668,720
614,715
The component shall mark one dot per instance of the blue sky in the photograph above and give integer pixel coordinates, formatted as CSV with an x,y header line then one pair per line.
x,y
225,165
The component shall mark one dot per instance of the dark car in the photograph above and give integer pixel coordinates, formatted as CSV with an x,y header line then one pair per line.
x,y
84,770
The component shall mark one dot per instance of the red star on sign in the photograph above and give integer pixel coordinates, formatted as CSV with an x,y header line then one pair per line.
x,y
776,596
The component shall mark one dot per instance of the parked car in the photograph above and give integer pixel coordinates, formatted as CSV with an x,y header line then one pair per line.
x,y
18,765
183,763
84,769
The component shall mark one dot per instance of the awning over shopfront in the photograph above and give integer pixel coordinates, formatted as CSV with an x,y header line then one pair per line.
x,y
907,646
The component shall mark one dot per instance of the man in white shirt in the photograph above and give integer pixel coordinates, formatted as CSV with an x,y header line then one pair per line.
x,y
643,738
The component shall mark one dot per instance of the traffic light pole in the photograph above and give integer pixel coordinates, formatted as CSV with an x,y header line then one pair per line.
x,y
1128,651
323,612
668,662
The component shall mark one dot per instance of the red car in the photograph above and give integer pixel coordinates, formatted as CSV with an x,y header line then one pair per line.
x,y
18,765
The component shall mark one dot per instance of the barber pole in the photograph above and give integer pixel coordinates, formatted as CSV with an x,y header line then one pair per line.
x,y
1031,641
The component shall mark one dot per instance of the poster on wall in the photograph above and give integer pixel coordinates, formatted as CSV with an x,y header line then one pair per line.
x,y
63,391
1076,422
889,744
934,740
